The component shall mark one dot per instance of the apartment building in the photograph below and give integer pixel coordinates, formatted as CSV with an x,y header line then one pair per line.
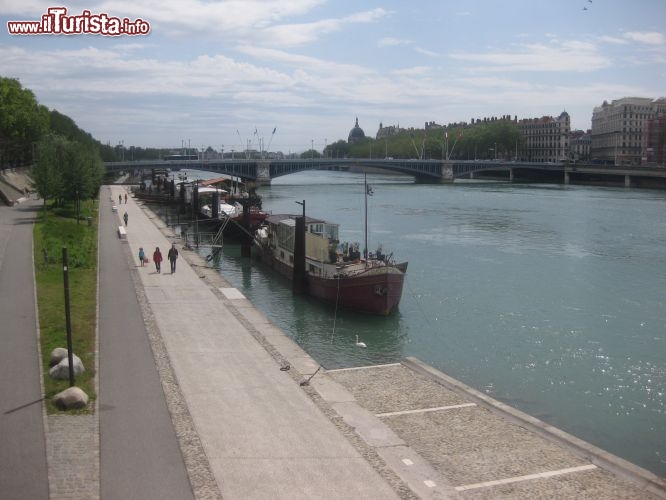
x,y
546,138
618,128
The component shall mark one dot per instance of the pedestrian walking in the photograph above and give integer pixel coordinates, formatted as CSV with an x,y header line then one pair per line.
x,y
125,198
125,217
157,259
142,256
120,199
172,256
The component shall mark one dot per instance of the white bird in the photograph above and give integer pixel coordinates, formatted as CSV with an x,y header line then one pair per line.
x,y
360,344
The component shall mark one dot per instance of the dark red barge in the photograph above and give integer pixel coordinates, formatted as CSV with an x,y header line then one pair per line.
x,y
334,272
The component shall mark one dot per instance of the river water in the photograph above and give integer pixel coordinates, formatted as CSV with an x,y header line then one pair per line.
x,y
549,298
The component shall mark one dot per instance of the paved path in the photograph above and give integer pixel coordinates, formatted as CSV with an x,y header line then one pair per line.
x,y
139,452
23,470
262,434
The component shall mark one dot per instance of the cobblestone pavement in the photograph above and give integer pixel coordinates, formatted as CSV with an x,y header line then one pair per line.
x,y
478,450
72,448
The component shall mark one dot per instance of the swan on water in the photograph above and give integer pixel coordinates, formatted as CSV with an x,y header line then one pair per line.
x,y
360,344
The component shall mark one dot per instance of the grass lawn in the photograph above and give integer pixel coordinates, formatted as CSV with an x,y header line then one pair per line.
x,y
55,229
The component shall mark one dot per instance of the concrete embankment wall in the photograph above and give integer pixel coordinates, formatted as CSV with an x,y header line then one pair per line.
x,y
15,184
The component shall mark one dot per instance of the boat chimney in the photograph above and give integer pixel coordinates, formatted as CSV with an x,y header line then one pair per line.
x,y
215,208
246,241
182,198
299,254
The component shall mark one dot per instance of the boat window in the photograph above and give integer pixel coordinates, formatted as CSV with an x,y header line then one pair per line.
x,y
285,236
317,228
332,232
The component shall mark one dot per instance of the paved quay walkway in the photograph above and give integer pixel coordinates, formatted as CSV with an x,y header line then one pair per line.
x,y
483,448
140,453
261,434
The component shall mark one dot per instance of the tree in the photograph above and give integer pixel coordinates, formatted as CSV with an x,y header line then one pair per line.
x,y
310,153
47,171
22,122
66,170
339,149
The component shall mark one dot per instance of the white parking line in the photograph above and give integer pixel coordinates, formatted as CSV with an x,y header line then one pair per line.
x,y
528,477
424,410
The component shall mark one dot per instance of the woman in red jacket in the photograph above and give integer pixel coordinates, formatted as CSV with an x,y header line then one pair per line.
x,y
157,258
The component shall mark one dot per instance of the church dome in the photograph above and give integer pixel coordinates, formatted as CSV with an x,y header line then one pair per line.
x,y
356,134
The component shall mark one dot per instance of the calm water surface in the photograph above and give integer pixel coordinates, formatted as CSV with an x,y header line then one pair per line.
x,y
549,298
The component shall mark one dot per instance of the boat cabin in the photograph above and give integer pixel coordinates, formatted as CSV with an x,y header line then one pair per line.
x,y
321,238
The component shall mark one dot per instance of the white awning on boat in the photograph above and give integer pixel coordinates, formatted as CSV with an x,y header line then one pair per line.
x,y
212,190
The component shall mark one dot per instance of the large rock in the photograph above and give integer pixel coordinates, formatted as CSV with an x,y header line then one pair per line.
x,y
61,370
70,398
57,355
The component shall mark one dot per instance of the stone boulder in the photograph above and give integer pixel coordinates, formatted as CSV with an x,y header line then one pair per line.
x,y
57,355
71,398
61,370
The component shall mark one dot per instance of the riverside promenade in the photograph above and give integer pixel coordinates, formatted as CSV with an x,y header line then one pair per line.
x,y
201,396
249,427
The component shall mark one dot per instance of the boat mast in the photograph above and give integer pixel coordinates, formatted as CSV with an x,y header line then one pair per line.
x,y
365,185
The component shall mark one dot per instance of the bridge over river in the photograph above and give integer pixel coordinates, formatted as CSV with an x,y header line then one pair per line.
x,y
262,171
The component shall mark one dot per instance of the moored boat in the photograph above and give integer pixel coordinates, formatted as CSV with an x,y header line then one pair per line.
x,y
334,272
230,210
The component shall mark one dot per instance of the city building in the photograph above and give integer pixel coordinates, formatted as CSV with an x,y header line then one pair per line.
x,y
617,129
356,134
546,138
579,146
654,141
389,131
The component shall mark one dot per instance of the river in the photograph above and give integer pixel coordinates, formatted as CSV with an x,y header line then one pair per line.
x,y
549,298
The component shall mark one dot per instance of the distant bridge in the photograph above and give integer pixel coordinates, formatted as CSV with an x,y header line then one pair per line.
x,y
426,171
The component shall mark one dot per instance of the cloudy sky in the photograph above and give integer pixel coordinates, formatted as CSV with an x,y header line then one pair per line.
x,y
221,73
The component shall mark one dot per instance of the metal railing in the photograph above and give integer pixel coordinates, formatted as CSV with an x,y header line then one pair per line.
x,y
194,239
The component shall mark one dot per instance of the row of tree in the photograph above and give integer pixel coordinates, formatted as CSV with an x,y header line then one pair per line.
x,y
483,140
66,161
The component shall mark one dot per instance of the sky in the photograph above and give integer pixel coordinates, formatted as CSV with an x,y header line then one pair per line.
x,y
288,75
